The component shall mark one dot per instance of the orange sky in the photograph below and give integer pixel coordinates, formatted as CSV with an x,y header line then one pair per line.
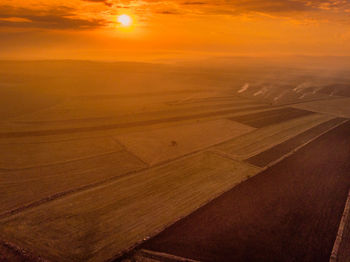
x,y
88,29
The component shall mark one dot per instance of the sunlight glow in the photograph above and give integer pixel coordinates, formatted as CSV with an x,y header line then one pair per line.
x,y
124,20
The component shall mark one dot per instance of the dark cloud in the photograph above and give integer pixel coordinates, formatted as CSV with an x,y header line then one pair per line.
x,y
100,1
57,18
267,6
194,3
272,6
168,12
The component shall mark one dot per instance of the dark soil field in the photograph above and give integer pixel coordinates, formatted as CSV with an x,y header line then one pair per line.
x,y
11,254
271,117
290,212
276,152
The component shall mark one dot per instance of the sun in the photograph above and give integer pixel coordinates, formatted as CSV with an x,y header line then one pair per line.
x,y
124,20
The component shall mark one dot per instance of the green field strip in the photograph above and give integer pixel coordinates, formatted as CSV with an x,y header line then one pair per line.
x,y
100,223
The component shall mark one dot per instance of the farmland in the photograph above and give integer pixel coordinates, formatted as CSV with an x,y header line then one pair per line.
x,y
163,144
194,163
305,210
261,139
276,152
101,229
338,107
272,117
17,186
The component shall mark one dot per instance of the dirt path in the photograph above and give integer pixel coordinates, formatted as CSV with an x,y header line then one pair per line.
x,y
290,212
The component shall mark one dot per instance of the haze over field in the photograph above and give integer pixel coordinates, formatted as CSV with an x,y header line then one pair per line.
x,y
174,130
33,85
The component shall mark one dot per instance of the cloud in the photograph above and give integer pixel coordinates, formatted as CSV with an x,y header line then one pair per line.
x,y
194,3
335,10
100,1
80,15
54,18
168,12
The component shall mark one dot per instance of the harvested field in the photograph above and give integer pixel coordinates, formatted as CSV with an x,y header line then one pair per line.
x,y
171,111
163,144
94,108
290,212
209,100
278,151
337,89
23,187
97,106
97,224
106,133
261,139
270,117
25,155
139,121
339,107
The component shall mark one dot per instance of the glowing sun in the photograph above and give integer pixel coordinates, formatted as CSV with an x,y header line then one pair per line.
x,y
124,20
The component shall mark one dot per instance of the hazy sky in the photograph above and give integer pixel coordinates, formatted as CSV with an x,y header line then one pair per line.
x,y
88,29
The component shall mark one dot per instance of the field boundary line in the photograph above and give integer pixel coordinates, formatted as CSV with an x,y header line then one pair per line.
x,y
232,158
340,234
303,145
106,181
222,106
23,253
66,193
63,162
316,100
128,251
269,146
164,257
99,183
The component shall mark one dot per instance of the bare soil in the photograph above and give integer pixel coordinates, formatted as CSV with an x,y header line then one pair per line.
x,y
262,119
290,212
276,152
